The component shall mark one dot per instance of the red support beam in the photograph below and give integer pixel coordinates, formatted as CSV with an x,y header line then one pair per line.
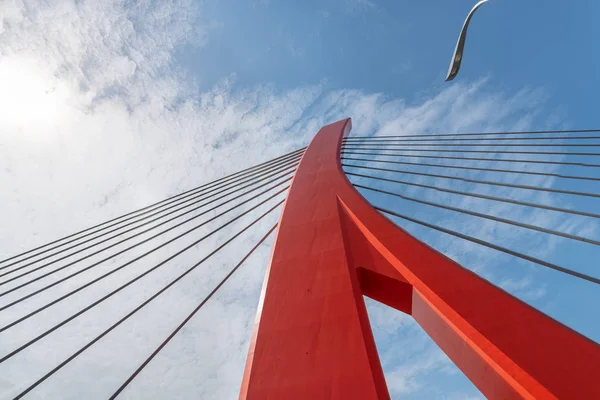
x,y
313,340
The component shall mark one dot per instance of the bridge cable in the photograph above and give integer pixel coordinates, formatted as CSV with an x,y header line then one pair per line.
x,y
386,144
483,133
115,291
493,246
476,168
189,317
485,216
234,178
481,196
97,279
542,189
154,296
292,165
361,147
352,139
344,152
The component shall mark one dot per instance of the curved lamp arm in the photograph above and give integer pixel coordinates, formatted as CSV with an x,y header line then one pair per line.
x,y
460,45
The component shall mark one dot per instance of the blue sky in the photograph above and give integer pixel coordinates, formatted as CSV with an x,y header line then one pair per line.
x,y
403,48
136,102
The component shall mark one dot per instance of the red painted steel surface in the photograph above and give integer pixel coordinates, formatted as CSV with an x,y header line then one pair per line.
x,y
312,338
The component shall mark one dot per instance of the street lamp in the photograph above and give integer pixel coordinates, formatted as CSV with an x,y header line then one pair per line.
x,y
460,45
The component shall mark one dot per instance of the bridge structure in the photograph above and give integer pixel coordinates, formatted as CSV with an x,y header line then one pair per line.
x,y
312,337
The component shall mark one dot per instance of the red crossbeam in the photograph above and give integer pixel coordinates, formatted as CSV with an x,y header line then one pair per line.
x,y
313,340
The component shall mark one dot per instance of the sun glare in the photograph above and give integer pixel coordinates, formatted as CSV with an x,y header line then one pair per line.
x,y
29,96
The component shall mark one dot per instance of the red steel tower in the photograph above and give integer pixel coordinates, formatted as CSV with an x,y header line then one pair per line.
x,y
313,340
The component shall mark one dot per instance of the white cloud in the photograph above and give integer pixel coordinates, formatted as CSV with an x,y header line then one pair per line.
x,y
106,124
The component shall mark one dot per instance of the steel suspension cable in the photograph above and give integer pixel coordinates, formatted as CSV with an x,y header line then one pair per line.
x,y
142,305
280,175
74,291
481,196
294,156
542,189
484,133
372,143
153,207
220,180
383,139
472,158
290,165
359,147
190,316
485,216
29,295
476,169
493,246
115,291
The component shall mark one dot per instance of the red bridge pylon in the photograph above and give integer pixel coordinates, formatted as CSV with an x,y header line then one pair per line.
x,y
313,340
